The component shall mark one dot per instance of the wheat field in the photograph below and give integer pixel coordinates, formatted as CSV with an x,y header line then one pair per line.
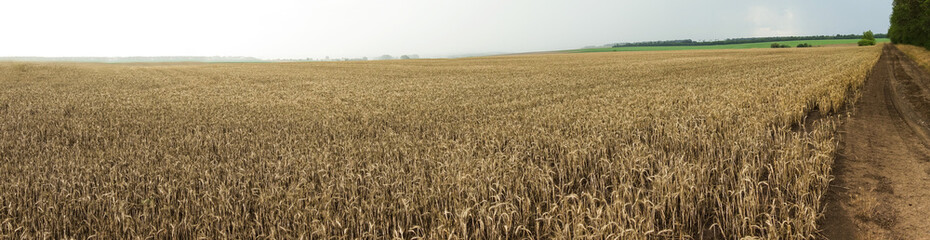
x,y
638,145
920,55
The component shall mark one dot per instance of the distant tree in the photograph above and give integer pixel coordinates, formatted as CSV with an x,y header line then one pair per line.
x,y
868,39
804,45
779,45
404,57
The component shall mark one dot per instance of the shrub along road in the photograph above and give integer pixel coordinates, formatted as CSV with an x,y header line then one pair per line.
x,y
882,185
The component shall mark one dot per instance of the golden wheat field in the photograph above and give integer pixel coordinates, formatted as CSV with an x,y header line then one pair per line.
x,y
920,55
634,145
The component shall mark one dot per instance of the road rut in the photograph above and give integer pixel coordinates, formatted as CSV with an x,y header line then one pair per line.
x,y
882,169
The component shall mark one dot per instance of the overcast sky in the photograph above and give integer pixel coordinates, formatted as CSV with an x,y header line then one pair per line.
x,y
431,28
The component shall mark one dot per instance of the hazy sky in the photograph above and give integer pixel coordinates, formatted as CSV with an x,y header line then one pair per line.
x,y
357,28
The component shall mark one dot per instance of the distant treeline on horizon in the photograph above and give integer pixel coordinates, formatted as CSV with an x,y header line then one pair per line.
x,y
689,42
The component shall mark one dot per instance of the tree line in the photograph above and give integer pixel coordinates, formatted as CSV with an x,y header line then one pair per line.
x,y
689,42
910,22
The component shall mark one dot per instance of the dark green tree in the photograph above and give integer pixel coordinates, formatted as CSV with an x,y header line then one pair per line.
x,y
910,22
868,39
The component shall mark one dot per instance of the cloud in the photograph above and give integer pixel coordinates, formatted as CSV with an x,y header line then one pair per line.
x,y
358,28
771,22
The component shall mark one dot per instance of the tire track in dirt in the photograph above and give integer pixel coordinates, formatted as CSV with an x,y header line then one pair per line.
x,y
882,168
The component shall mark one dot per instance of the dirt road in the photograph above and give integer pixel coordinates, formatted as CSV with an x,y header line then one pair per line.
x,y
882,185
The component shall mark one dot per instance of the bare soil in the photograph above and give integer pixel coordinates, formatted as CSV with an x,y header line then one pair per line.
x,y
882,169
